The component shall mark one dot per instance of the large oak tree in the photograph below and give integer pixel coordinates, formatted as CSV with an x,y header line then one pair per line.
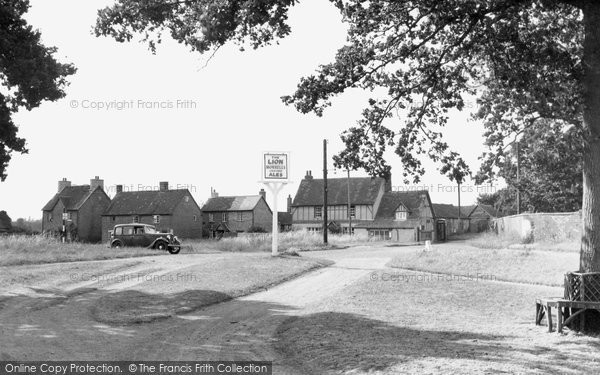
x,y
538,59
29,74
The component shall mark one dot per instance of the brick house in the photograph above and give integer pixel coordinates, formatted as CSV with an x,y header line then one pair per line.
x,y
226,216
365,197
403,216
168,210
79,208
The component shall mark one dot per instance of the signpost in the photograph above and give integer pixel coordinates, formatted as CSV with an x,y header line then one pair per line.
x,y
275,175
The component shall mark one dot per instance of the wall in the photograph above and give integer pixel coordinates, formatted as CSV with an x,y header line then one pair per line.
x,y
183,223
544,227
262,216
89,217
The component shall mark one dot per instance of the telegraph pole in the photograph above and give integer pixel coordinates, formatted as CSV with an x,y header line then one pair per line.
x,y
349,207
325,191
518,180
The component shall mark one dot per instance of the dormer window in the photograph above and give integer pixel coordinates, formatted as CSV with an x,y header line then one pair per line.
x,y
401,214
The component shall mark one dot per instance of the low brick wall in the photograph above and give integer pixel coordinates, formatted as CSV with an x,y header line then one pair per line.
x,y
544,227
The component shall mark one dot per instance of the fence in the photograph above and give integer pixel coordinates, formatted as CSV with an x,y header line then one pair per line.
x,y
542,227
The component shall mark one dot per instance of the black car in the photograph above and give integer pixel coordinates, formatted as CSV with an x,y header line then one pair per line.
x,y
143,235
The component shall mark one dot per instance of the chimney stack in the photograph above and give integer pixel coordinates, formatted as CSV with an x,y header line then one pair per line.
x,y
263,194
119,189
213,193
95,183
63,184
289,204
164,186
388,183
308,175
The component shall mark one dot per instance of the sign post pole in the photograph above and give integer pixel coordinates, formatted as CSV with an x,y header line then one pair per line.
x,y
275,175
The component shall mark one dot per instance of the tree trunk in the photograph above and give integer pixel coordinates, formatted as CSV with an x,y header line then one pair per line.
x,y
590,241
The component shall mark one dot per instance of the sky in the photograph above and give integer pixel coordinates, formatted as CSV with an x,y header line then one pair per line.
x,y
134,118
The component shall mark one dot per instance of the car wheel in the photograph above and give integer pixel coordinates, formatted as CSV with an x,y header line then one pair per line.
x,y
174,249
160,245
116,244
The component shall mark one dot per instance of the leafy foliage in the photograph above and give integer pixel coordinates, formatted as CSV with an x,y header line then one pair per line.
x,y
29,74
424,55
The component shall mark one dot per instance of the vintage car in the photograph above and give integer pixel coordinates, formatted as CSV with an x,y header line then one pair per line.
x,y
143,235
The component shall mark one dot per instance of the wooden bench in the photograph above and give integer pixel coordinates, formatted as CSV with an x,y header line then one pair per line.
x,y
543,306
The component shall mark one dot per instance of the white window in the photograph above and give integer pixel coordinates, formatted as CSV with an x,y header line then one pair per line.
x,y
352,212
240,216
211,218
224,217
156,219
195,218
136,219
318,212
401,214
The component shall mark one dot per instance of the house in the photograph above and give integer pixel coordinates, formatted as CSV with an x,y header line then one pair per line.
x,y
168,210
448,220
365,196
482,217
403,216
227,216
76,211
5,223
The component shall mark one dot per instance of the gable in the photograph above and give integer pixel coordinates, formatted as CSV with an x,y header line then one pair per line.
x,y
72,197
411,200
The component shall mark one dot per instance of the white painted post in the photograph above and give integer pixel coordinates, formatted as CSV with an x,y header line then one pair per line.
x,y
275,236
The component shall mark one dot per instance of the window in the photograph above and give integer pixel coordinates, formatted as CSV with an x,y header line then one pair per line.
x,y
119,231
240,216
128,231
224,217
380,234
156,219
318,212
352,211
50,216
139,230
195,218
136,219
211,218
186,199
401,214
114,218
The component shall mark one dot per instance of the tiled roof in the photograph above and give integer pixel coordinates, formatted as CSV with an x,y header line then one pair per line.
x,y
72,197
393,199
153,202
363,190
490,210
449,211
237,203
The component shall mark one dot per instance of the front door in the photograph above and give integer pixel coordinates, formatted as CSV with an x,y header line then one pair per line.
x,y
441,230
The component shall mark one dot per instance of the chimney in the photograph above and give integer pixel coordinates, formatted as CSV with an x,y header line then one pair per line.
x,y
63,184
263,194
164,186
119,189
289,204
96,182
308,175
213,193
388,183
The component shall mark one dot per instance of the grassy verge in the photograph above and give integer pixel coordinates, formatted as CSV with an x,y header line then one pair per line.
x,y
490,240
218,280
517,265
21,250
295,240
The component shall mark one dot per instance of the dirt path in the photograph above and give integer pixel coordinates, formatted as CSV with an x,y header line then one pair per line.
x,y
57,322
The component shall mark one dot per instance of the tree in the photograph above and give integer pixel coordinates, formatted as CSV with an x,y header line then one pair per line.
x,y
502,200
29,74
538,59
550,168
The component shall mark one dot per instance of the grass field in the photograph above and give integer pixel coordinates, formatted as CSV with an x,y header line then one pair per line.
x,y
490,240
